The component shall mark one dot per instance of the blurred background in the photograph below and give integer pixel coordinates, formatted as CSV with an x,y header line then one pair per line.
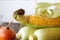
x,y
7,7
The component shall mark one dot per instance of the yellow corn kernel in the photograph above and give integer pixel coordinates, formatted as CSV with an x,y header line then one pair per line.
x,y
39,20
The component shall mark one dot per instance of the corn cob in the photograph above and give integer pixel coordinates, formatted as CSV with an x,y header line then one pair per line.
x,y
39,20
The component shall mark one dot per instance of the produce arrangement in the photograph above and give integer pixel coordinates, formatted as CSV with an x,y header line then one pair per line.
x,y
44,25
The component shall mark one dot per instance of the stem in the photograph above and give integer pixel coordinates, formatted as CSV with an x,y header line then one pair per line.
x,y
7,27
10,22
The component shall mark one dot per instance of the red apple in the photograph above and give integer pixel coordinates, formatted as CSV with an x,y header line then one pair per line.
x,y
6,33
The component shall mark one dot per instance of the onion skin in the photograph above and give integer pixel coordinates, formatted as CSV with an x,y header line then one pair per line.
x,y
24,33
47,34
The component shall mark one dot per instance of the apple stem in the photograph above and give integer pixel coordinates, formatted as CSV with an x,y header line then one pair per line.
x,y
7,27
